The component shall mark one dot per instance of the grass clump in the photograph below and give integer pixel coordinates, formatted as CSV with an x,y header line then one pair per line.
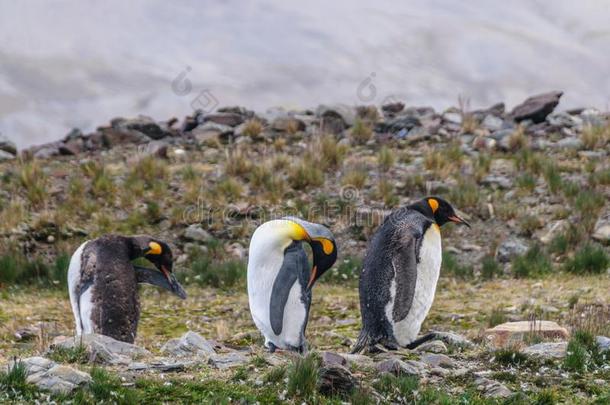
x,y
303,377
355,177
218,274
590,259
73,355
534,263
385,158
496,317
595,136
453,268
252,128
465,194
106,388
302,176
13,384
33,181
237,163
509,357
346,271
328,152
399,389
583,353
361,132
490,268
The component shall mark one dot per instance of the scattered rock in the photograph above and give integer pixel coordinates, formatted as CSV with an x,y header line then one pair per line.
x,y
552,230
492,389
359,359
602,228
228,360
6,156
336,381
7,146
399,367
196,233
142,124
434,346
333,359
514,333
104,349
56,378
510,248
501,182
536,108
438,360
228,119
492,123
336,118
161,366
547,351
603,343
191,344
288,124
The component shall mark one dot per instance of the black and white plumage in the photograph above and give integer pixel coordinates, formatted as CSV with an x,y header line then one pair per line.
x,y
400,272
102,283
280,278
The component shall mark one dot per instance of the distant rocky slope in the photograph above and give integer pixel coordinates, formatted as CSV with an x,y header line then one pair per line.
x,y
526,178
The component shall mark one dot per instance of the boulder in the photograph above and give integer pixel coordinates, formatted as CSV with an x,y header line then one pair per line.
x,y
603,343
492,389
393,108
601,230
230,119
142,124
103,349
7,146
434,346
191,344
111,137
336,381
196,233
53,377
547,351
438,360
515,333
336,118
510,248
287,124
536,108
399,367
6,156
492,123
228,360
333,359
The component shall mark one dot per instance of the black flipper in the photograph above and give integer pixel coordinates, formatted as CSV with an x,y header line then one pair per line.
x,y
156,278
285,279
404,263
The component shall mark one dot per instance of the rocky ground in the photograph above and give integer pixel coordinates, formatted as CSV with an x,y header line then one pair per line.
x,y
534,183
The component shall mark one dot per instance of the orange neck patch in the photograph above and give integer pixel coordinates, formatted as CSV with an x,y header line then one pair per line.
x,y
433,203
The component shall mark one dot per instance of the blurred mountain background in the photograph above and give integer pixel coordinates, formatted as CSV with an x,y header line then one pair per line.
x,y
66,64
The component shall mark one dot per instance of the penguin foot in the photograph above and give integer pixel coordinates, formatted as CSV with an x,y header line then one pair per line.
x,y
272,348
390,344
418,342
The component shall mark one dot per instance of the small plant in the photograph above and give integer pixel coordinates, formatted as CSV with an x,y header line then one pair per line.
x,y
77,354
302,175
509,357
106,388
361,132
595,136
401,389
490,268
452,267
529,224
553,178
589,202
218,274
465,194
526,182
355,176
385,192
386,159
275,375
253,128
534,263
496,317
582,353
303,377
230,188
329,152
559,244
517,140
590,259
237,163
33,181
13,382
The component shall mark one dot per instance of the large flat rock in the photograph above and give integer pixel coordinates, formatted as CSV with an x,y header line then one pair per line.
x,y
103,349
53,377
515,333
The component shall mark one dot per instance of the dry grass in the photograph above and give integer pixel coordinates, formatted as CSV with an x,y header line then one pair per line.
x,y
594,137
253,128
361,132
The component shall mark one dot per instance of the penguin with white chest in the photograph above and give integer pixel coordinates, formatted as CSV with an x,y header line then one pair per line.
x,y
103,283
401,269
280,278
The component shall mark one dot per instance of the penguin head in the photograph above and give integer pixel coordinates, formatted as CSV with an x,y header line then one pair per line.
x,y
157,252
439,210
321,240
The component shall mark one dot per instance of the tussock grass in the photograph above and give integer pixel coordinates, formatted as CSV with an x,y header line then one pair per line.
x,y
33,180
590,259
509,357
518,140
535,263
355,176
385,159
595,136
385,192
238,163
490,268
302,175
496,317
77,354
328,152
303,377
253,128
453,268
361,132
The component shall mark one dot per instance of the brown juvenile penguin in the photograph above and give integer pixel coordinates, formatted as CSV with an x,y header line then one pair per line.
x,y
102,283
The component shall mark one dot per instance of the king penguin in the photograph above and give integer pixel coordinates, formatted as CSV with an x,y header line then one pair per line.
x,y
280,278
102,282
400,272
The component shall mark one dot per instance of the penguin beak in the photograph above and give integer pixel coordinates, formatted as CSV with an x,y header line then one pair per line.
x,y
458,220
175,285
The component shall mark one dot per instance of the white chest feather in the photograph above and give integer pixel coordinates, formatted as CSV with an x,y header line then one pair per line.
x,y
428,270
264,263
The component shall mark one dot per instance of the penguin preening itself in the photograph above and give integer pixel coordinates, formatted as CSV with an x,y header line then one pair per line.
x,y
400,272
103,283
280,278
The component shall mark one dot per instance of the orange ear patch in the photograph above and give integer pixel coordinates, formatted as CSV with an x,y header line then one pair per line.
x,y
155,249
327,245
433,204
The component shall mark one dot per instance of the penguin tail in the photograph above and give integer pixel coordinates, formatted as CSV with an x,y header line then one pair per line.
x,y
364,340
